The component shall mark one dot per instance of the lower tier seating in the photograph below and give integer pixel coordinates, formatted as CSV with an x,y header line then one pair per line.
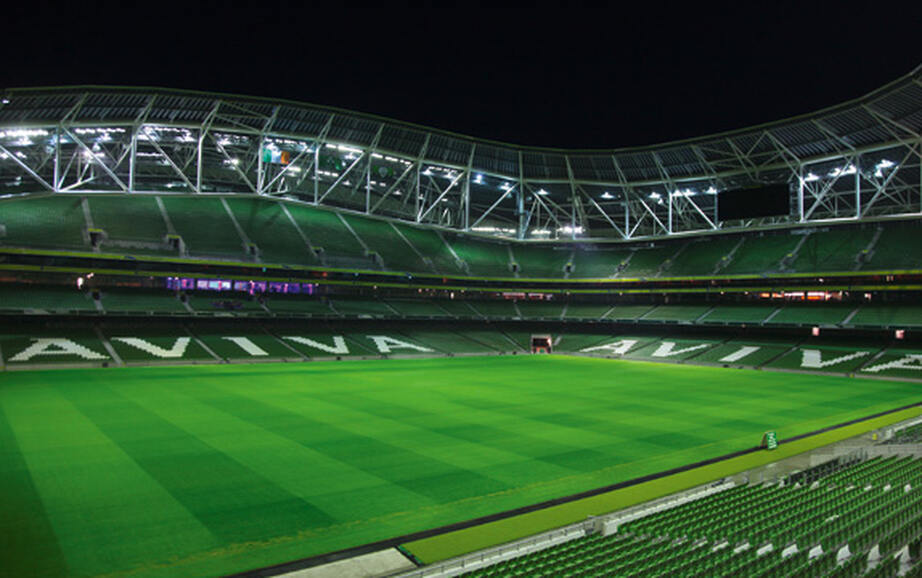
x,y
856,521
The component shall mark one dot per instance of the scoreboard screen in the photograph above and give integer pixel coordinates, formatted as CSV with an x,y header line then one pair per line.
x,y
767,201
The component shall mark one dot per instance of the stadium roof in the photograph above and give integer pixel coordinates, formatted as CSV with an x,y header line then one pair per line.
x,y
489,181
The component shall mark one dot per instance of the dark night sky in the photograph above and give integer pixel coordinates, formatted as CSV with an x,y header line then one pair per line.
x,y
553,74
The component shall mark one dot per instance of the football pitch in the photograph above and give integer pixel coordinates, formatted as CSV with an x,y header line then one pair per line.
x,y
210,470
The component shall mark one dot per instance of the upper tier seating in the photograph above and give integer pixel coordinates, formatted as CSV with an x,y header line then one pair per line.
x,y
834,250
278,232
268,226
327,233
647,262
541,260
702,257
428,243
482,257
597,263
889,252
134,225
50,222
761,253
382,238
205,227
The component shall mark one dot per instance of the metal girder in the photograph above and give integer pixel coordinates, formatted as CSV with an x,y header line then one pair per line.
x,y
885,125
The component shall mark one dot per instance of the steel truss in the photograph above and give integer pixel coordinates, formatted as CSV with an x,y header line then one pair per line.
x,y
858,160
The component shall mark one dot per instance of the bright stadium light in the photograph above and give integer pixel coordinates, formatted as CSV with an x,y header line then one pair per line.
x,y
543,193
606,195
883,164
478,179
846,170
570,230
655,196
711,191
810,178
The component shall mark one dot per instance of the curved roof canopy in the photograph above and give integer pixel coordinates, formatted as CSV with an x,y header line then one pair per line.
x,y
854,160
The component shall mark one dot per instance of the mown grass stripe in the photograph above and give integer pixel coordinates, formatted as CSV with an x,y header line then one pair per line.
x,y
449,544
434,479
232,501
28,545
107,513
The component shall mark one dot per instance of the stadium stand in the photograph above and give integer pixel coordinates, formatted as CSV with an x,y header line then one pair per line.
x,y
540,309
738,314
485,258
230,342
703,257
676,313
761,253
833,250
267,225
672,349
298,305
225,303
887,316
245,230
811,314
432,247
139,301
329,235
57,299
889,252
156,344
648,262
496,340
421,308
219,239
846,523
499,309
811,356
545,261
744,352
445,341
132,225
591,262
461,309
48,222
586,311
362,308
381,238
627,312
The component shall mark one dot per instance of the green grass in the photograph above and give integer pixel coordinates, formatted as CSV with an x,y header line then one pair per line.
x,y
191,471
